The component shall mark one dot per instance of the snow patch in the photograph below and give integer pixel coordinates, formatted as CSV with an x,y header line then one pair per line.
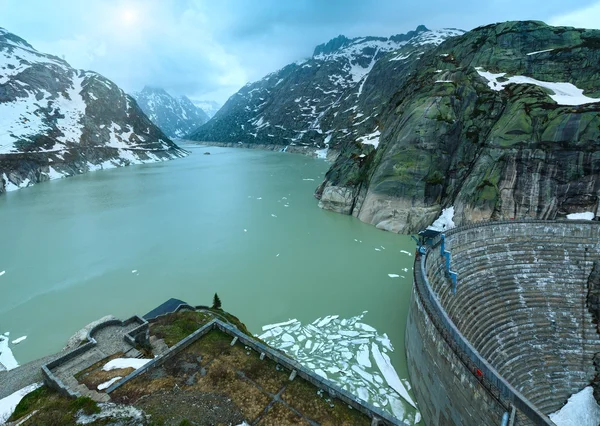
x,y
125,363
444,222
108,384
9,403
581,216
564,93
580,410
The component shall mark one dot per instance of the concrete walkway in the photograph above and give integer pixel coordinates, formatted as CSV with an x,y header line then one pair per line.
x,y
109,342
24,375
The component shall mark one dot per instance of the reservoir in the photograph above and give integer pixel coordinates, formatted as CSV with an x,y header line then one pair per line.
x,y
241,223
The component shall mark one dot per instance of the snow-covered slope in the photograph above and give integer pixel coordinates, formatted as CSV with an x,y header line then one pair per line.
x,y
177,117
56,121
209,107
334,96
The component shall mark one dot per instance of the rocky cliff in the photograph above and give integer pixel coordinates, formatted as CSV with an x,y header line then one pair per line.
x,y
502,122
331,99
177,117
57,121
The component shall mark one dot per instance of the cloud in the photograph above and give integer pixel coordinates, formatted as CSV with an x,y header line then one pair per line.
x,y
208,48
587,17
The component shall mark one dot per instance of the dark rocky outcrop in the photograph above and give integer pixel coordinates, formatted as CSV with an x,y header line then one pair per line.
x,y
447,138
177,117
57,121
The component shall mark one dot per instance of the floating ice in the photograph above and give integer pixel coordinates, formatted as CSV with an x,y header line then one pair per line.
x,y
280,324
308,179
133,271
19,340
273,215
343,350
393,275
391,377
7,358
406,252
2,273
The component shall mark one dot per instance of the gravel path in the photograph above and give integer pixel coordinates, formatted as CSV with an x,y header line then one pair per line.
x,y
24,375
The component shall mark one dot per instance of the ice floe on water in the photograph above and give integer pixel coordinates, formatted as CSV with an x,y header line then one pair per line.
x,y
351,354
2,273
19,340
7,359
406,252
393,275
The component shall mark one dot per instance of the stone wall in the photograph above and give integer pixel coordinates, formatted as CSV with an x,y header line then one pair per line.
x,y
519,315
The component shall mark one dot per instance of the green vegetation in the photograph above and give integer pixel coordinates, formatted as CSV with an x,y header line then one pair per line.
x,y
51,408
174,327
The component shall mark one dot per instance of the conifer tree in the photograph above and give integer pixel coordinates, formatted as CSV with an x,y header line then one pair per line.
x,y
216,302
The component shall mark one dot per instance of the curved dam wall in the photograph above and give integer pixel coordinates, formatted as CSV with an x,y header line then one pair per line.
x,y
517,332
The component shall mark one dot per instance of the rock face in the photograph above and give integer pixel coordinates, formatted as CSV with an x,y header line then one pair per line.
x,y
477,123
177,117
332,99
56,121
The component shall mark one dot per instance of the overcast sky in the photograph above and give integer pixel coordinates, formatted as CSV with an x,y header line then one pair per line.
x,y
208,49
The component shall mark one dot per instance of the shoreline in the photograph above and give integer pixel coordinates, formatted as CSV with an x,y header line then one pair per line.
x,y
309,151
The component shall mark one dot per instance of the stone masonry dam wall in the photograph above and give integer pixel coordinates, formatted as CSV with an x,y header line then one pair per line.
x,y
517,334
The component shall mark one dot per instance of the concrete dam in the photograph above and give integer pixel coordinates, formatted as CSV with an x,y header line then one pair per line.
x,y
500,326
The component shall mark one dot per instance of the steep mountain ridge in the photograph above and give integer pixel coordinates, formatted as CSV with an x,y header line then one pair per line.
x,y
177,117
322,101
493,123
56,121
209,107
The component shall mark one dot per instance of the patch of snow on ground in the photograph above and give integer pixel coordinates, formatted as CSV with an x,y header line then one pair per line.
x,y
583,216
444,222
371,139
580,410
539,51
322,153
9,403
108,384
7,358
125,363
564,93
345,350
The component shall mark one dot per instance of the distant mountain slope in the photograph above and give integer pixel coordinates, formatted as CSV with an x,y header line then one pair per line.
x,y
494,123
334,96
56,121
209,107
177,117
